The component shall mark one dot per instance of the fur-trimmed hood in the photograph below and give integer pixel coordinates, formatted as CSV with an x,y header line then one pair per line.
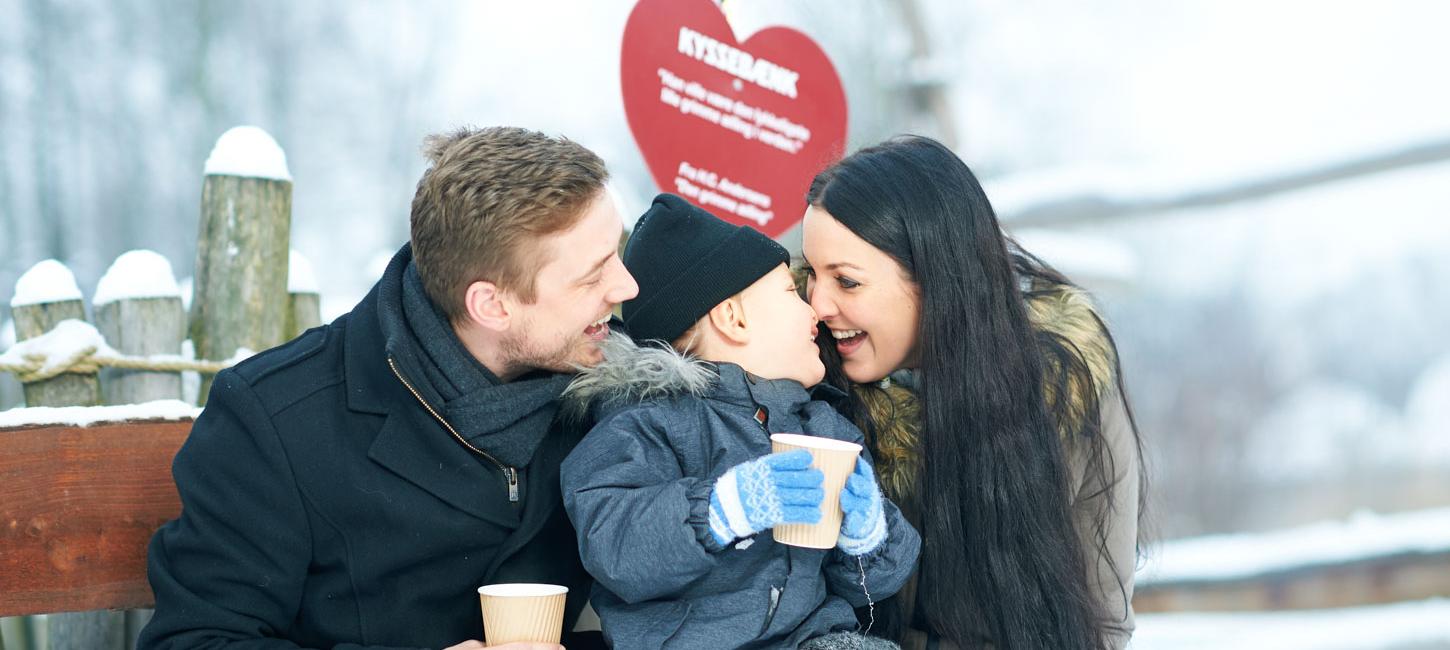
x,y
632,373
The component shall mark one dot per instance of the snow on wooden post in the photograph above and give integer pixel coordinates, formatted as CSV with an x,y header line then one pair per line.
x,y
138,309
241,255
304,301
46,295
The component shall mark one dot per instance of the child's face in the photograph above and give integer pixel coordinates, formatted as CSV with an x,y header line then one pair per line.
x,y
782,330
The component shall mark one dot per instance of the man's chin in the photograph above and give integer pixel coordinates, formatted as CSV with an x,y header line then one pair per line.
x,y
589,356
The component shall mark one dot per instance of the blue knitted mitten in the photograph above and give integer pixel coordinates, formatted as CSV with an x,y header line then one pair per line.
x,y
863,526
761,493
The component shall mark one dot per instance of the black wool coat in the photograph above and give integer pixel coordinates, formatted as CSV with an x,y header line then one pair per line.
x,y
324,506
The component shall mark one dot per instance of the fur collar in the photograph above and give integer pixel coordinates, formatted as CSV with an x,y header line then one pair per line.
x,y
631,373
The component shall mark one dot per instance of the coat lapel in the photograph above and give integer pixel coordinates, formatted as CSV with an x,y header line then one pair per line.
x,y
426,455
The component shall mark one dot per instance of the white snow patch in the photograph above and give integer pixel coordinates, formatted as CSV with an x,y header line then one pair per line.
x,y
190,380
1401,625
248,151
84,416
48,281
300,278
1363,535
187,288
242,354
66,339
136,274
7,334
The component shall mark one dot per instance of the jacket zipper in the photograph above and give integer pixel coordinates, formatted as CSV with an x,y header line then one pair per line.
x,y
510,473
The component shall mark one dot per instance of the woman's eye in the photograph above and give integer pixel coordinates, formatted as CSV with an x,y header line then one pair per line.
x,y
847,283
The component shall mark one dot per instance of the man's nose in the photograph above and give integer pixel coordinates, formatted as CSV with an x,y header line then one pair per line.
x,y
625,287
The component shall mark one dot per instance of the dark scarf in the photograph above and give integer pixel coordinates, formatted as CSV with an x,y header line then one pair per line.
x,y
507,420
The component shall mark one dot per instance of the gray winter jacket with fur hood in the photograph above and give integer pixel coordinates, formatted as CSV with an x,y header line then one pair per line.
x,y
638,490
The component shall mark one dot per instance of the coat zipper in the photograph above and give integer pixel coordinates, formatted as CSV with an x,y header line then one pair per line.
x,y
510,473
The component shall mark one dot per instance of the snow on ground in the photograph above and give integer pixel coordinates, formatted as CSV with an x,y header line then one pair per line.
x,y
84,416
66,339
47,281
1363,535
300,278
136,274
248,151
1419,625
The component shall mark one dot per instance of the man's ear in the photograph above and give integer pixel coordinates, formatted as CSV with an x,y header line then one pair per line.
x,y
728,318
487,306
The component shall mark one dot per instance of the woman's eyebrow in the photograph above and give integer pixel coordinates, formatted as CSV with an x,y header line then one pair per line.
x,y
843,265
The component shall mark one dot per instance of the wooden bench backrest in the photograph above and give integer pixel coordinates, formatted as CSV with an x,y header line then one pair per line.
x,y
78,506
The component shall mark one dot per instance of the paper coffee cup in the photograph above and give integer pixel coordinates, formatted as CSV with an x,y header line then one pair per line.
x,y
522,612
836,459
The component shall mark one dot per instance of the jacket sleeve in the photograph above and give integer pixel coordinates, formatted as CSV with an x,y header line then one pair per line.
x,y
229,572
880,573
639,519
1112,551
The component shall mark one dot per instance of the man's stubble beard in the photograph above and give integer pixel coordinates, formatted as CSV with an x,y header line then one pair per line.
x,y
522,356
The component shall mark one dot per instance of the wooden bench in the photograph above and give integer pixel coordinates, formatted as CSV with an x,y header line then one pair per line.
x,y
78,506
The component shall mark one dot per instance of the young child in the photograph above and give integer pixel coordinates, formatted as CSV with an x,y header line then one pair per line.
x,y
674,492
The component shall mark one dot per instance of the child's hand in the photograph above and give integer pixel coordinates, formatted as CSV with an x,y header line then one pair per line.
x,y
863,526
759,494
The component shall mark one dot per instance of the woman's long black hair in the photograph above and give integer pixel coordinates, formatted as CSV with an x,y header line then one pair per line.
x,y
1001,560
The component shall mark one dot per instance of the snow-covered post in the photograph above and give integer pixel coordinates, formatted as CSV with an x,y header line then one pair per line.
x,y
304,301
241,255
46,295
138,310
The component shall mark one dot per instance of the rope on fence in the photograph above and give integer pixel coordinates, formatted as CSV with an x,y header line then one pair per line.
x,y
85,361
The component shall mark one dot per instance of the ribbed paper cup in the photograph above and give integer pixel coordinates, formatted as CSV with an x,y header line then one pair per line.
x,y
836,459
522,612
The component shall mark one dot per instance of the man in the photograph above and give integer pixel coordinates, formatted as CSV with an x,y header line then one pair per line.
x,y
354,487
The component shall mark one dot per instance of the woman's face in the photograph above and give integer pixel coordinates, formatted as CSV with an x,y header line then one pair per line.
x,y
864,297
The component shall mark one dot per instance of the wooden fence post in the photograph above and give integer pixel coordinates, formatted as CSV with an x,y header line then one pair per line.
x,y
241,255
138,310
46,295
304,301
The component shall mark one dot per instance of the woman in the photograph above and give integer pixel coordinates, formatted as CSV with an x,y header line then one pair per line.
x,y
990,391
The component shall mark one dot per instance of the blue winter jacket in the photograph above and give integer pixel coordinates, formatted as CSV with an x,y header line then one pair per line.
x,y
638,489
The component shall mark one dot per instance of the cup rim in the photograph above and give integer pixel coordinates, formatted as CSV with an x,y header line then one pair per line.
x,y
521,590
815,442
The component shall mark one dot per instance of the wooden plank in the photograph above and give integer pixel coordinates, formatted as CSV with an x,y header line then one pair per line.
x,y
1369,581
78,506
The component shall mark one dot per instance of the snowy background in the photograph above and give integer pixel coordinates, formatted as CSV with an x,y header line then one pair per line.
x,y
1258,193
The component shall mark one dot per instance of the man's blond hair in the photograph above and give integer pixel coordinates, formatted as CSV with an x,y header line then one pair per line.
x,y
488,197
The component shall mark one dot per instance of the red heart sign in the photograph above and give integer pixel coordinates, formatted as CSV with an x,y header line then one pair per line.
x,y
739,129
